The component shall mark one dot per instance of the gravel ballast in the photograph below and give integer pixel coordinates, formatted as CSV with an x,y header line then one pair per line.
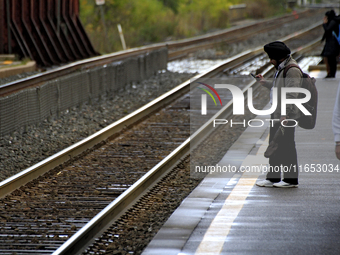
x,y
23,149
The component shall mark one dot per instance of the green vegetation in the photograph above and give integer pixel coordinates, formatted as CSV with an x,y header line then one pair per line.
x,y
151,21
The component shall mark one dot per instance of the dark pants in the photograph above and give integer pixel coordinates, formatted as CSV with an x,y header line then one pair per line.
x,y
285,158
332,65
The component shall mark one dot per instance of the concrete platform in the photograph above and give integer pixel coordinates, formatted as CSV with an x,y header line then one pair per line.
x,y
231,215
321,67
17,67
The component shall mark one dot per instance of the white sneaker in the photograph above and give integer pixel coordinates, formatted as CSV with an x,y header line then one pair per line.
x,y
265,183
283,184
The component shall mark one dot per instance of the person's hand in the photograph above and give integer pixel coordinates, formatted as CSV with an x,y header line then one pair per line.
x,y
260,78
325,19
283,120
337,150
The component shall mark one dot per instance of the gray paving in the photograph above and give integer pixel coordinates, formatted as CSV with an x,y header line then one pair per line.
x,y
305,220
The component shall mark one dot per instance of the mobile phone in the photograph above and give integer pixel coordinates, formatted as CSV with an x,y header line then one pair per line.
x,y
255,76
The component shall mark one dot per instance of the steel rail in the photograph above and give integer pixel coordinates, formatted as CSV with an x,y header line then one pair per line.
x,y
61,157
37,79
49,163
223,33
219,38
79,241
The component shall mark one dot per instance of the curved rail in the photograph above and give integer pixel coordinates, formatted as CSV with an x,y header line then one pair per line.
x,y
207,40
183,47
83,237
38,169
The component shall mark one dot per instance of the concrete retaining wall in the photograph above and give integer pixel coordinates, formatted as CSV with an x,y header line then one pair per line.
x,y
31,106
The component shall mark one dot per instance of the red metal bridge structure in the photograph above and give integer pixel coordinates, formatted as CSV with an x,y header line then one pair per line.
x,y
47,31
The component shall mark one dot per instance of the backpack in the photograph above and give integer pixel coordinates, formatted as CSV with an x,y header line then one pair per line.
x,y
307,121
337,37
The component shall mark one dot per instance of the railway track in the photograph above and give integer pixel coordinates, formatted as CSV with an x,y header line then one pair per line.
x,y
41,215
177,49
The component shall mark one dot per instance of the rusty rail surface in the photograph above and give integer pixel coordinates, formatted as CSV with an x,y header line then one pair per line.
x,y
80,239
176,48
78,242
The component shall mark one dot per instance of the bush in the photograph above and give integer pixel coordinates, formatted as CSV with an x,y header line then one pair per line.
x,y
150,21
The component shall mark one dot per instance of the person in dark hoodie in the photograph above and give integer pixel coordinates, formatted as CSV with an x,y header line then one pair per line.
x,y
331,48
286,155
